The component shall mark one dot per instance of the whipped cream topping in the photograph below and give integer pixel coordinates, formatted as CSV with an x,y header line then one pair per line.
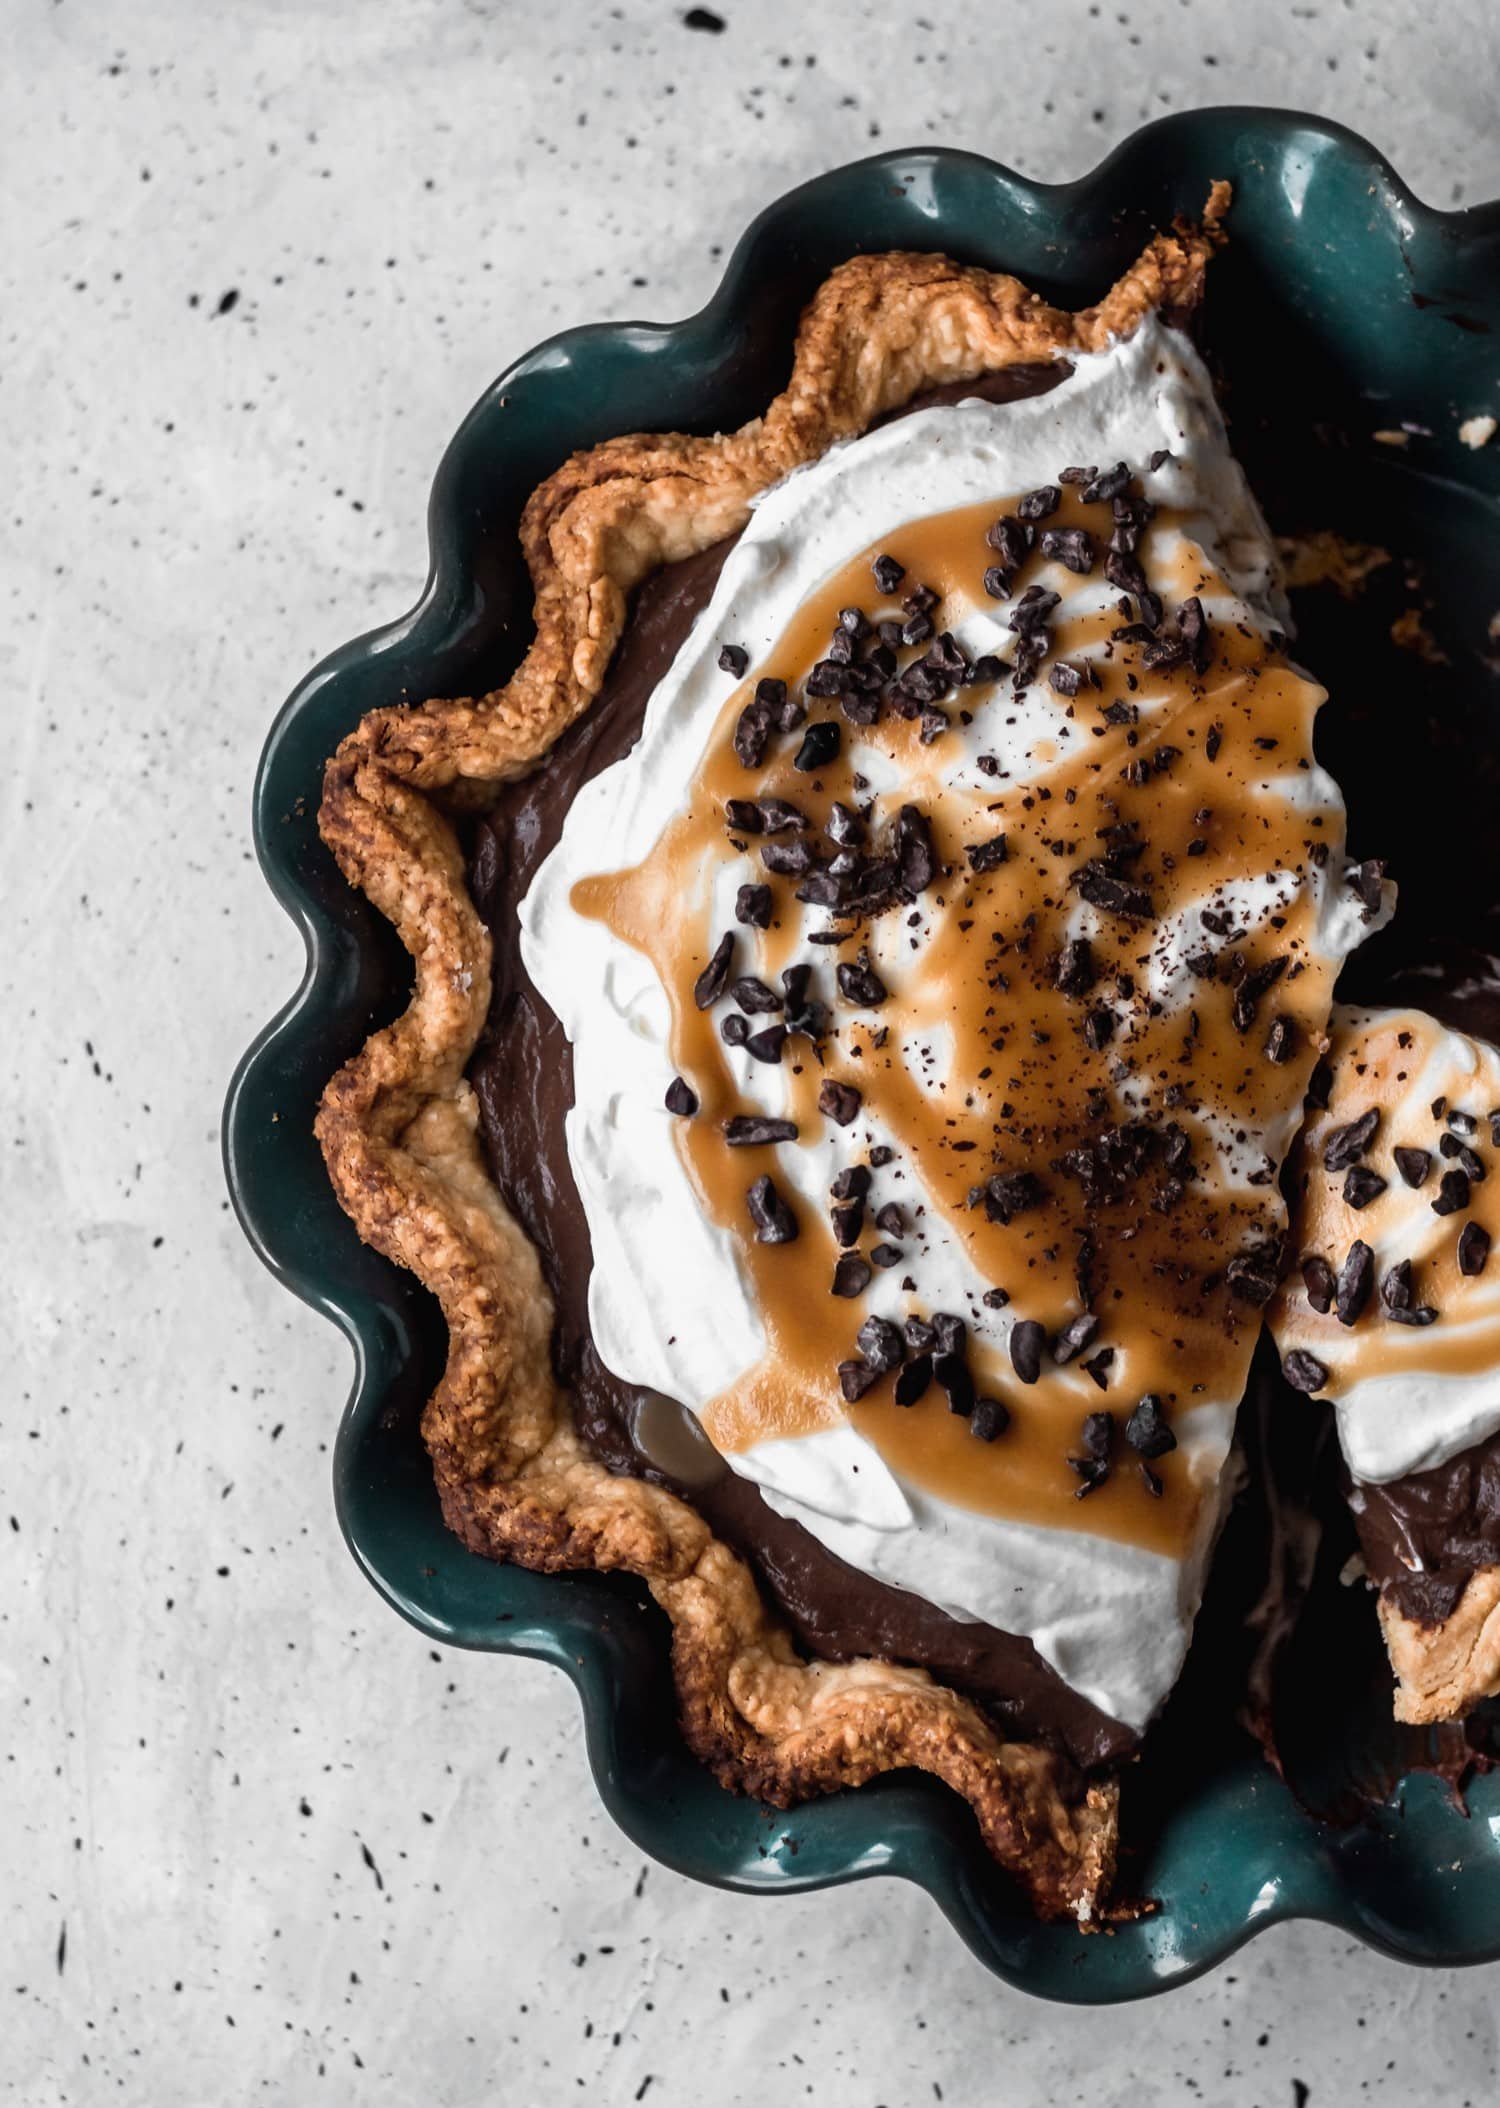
x,y
673,1301
1422,1193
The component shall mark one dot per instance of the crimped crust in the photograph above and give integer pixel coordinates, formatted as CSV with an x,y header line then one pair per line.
x,y
398,1124
1443,1671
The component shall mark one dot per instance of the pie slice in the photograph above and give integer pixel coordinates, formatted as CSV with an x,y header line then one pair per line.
x,y
1394,1315
869,962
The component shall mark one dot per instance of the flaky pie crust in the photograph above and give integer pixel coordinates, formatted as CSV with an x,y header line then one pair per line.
x,y
398,1124
1443,1671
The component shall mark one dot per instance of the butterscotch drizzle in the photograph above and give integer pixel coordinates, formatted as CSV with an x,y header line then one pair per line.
x,y
977,1065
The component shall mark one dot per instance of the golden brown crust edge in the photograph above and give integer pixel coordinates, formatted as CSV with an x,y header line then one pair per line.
x,y
1444,1671
398,1123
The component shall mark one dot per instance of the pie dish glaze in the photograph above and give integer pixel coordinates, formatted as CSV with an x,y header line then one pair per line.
x,y
432,1614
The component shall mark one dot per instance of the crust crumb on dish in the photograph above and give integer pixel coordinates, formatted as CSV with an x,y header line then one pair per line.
x,y
1444,1671
398,1123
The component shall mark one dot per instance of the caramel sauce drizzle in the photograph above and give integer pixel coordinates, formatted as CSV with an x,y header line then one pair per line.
x,y
973,960
1393,1061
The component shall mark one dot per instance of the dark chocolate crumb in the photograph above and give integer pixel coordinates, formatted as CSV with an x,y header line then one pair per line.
x,y
1453,1193
755,1130
734,659
711,983
1413,1165
1346,1145
1356,1278
1147,1431
1317,1276
774,1221
840,1101
989,1419
1027,1340
1361,1186
912,1383
1303,1371
1473,1248
852,1276
682,1099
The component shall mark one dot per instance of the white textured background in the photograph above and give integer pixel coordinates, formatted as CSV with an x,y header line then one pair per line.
x,y
257,1840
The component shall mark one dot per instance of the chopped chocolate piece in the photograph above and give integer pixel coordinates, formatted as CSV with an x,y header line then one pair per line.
x,y
1250,990
996,582
840,1101
1317,1276
952,1373
780,816
881,1155
855,1378
989,1419
913,1381
711,983
1027,1340
1092,1471
854,621
774,1221
1368,881
1473,1248
1146,1430
1346,1145
733,658
891,1220
757,1130
1462,1123
1072,547
919,1335
888,573
820,745
916,859
1099,1027
881,1344
1281,1041
1098,489
1149,1479
886,1256
1076,972
752,906
851,1182
859,983
1099,1365
1160,459
682,1099
1453,1193
916,629
1473,1164
1254,1276
1032,611
851,1276
789,859
1039,504
743,816
1413,1165
1078,1333
986,667
1395,1289
848,1219
1011,541
987,856
1362,1185
1356,1278
1192,625
767,1045
770,693
1011,1193
1065,679
952,1333
752,734
1303,1371
734,1030
1418,1314
753,995
1076,475
845,826
1103,888
829,677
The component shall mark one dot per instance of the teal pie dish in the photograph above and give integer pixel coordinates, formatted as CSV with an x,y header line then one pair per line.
x,y
1341,306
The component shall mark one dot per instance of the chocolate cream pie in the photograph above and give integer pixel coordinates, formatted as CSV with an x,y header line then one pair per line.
x,y
1394,1314
870,960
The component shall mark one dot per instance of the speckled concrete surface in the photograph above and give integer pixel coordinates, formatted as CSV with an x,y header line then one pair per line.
x,y
259,1841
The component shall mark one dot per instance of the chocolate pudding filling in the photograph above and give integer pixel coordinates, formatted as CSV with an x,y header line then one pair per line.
x,y
834,1610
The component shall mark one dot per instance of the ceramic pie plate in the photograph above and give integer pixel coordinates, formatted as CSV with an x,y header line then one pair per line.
x,y
1342,306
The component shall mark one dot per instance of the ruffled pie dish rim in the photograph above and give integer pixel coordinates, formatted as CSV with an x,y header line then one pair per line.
x,y
1244,1855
